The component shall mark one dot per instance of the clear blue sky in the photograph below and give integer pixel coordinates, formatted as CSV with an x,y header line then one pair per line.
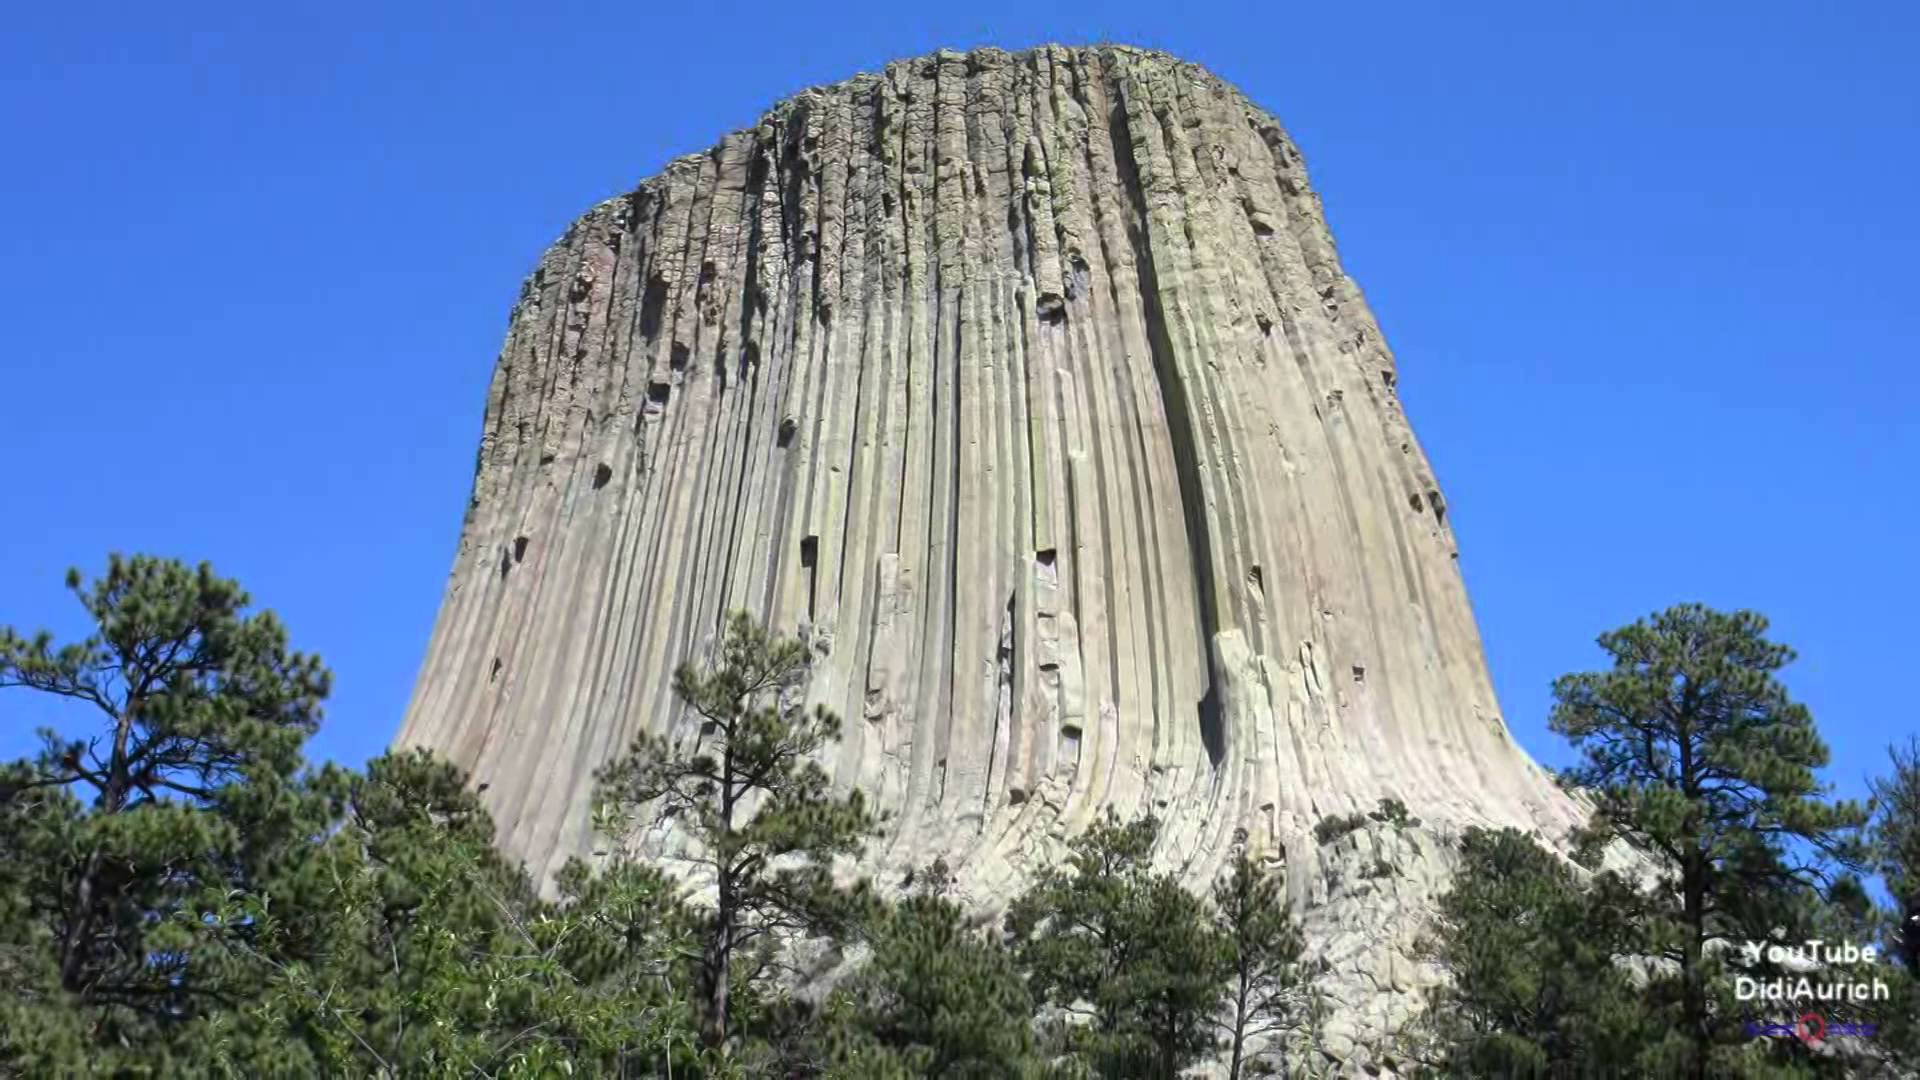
x,y
1649,271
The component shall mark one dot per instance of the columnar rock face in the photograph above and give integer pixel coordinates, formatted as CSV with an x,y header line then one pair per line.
x,y
1029,389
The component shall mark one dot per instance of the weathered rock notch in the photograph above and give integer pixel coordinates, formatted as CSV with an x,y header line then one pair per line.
x,y
1030,390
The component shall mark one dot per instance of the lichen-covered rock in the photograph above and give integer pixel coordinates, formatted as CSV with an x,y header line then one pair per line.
x,y
1029,388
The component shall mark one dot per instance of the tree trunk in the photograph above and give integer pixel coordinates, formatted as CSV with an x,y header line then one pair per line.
x,y
1693,880
1909,939
717,971
80,915
1167,1036
717,960
1695,1001
1239,1029
79,925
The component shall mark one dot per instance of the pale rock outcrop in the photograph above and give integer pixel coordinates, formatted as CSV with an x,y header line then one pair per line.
x,y
1030,390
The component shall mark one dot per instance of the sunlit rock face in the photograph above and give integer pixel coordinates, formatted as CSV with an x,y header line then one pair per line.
x,y
1029,389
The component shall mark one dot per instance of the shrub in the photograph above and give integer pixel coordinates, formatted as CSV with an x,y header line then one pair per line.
x,y
1329,829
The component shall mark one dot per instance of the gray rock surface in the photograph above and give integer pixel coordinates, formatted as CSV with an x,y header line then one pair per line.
x,y
1030,389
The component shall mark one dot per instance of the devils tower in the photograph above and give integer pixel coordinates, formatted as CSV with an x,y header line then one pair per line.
x,y
1029,390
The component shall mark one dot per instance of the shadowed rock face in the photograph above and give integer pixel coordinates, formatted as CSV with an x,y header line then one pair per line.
x,y
1028,388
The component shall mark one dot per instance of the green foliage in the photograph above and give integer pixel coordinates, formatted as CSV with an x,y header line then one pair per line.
x,y
1896,857
936,997
766,826
179,899
1850,913
407,946
1695,754
1127,954
1261,946
1329,829
1536,987
1390,812
1896,847
182,792
1394,813
192,694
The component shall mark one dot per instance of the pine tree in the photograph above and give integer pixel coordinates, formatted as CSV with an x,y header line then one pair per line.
x,y
1536,987
1265,992
936,998
746,788
180,898
405,945
1696,755
377,945
183,792
1127,954
1896,856
1896,841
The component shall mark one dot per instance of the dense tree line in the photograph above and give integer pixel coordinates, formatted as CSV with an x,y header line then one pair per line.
x,y
181,893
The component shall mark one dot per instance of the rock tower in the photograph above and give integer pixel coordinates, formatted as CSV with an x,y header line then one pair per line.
x,y
1029,389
